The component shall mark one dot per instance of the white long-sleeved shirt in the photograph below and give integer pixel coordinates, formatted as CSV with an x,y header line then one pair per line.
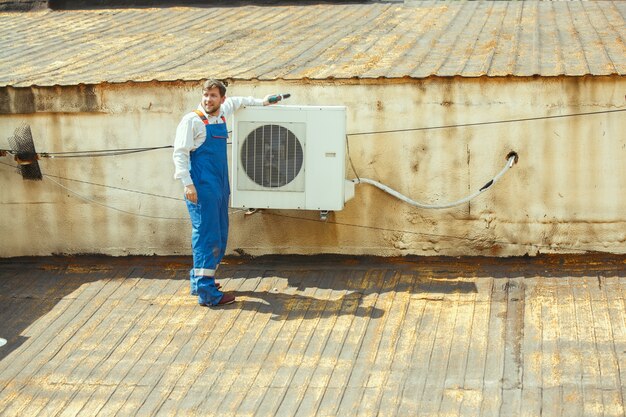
x,y
191,133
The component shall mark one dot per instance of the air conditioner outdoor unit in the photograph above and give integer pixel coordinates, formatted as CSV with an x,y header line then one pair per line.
x,y
290,157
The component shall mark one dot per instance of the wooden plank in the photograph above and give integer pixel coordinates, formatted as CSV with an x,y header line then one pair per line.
x,y
374,354
356,311
126,340
570,355
380,355
434,386
224,333
358,345
16,290
20,282
399,341
19,307
532,399
454,390
532,353
323,323
423,349
310,400
477,350
69,374
131,364
344,344
610,379
617,309
269,355
174,333
551,357
494,361
190,361
571,400
52,345
10,277
296,347
124,317
551,401
454,387
590,378
41,285
246,360
461,339
514,328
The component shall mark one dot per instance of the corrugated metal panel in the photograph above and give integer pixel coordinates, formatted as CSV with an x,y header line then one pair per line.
x,y
418,39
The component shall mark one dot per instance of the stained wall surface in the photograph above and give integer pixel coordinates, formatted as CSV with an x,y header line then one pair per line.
x,y
564,195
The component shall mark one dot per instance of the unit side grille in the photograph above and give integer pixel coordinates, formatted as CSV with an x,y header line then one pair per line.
x,y
272,156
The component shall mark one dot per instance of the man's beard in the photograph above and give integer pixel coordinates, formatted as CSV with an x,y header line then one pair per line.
x,y
212,110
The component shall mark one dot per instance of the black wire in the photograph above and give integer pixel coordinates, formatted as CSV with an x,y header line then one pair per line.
x,y
377,228
415,129
382,229
350,158
87,155
115,188
483,123
98,153
103,185
91,154
113,152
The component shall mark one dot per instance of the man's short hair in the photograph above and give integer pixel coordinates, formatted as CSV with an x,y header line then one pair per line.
x,y
212,83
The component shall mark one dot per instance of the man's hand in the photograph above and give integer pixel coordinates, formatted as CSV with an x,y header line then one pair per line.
x,y
191,194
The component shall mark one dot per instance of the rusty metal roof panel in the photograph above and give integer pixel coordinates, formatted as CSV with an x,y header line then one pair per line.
x,y
314,336
417,39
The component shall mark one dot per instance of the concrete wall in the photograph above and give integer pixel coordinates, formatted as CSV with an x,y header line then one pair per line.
x,y
566,193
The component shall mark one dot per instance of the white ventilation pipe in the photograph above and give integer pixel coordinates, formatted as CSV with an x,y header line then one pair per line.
x,y
512,159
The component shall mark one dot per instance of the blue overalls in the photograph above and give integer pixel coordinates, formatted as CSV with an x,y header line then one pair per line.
x,y
209,217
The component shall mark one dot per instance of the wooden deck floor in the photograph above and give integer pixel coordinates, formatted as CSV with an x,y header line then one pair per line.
x,y
315,336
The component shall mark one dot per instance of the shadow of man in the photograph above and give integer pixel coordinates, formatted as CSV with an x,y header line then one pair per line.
x,y
284,306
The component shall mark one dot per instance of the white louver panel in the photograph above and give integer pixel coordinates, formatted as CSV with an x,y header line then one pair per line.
x,y
272,156
290,157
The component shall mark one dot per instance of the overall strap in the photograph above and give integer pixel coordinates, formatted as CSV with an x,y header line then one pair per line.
x,y
202,117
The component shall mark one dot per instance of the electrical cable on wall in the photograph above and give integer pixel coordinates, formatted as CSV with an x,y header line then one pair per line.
x,y
305,219
511,159
27,159
90,200
493,122
25,155
436,235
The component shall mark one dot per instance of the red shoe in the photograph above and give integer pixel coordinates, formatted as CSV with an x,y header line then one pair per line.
x,y
226,299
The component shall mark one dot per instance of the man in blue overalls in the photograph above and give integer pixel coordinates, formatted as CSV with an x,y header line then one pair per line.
x,y
200,158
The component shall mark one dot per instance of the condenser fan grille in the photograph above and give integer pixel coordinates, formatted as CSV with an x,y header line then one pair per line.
x,y
271,156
